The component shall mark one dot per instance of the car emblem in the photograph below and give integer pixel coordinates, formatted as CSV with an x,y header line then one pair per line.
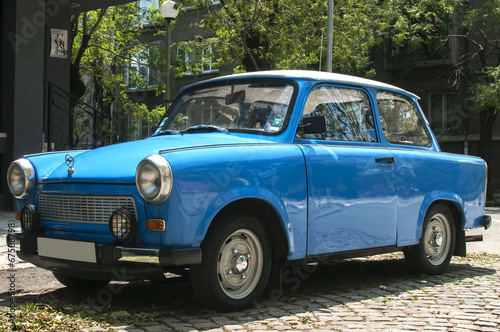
x,y
70,162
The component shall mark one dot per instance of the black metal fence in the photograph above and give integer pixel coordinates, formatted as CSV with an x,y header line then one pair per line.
x,y
71,123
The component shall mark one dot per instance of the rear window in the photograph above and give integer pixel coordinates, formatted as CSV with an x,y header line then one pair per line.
x,y
401,121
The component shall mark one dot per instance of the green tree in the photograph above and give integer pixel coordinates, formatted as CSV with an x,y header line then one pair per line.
x,y
487,95
430,26
277,34
480,65
417,30
106,45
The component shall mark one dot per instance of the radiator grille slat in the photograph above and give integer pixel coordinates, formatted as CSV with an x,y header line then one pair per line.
x,y
82,209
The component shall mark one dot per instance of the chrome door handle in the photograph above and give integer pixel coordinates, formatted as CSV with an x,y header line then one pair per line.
x,y
389,160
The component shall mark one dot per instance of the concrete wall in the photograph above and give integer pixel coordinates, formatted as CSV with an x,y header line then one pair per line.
x,y
29,100
7,56
26,68
23,73
57,72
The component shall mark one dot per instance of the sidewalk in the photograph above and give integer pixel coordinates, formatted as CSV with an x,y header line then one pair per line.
x,y
7,220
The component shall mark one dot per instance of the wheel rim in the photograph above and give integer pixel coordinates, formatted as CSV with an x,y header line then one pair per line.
x,y
240,264
437,239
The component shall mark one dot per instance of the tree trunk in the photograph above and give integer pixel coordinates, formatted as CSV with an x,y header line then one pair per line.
x,y
487,117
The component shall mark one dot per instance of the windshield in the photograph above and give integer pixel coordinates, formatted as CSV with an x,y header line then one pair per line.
x,y
235,106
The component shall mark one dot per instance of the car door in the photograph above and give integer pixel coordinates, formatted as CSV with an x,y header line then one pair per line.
x,y
351,188
419,169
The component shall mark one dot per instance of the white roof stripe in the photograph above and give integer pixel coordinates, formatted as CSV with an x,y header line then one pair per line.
x,y
318,76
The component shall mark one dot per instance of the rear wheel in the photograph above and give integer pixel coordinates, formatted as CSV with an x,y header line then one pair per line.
x,y
235,266
79,283
435,250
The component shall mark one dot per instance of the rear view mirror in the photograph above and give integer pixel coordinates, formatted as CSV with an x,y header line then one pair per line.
x,y
313,125
236,97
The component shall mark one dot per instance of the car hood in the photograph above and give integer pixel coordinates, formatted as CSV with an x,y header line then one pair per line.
x,y
117,163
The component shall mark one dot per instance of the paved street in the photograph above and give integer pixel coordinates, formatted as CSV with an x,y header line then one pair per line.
x,y
376,294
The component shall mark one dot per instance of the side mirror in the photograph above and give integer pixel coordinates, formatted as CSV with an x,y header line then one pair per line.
x,y
313,125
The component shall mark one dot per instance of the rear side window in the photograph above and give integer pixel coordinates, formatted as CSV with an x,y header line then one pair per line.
x,y
401,122
347,112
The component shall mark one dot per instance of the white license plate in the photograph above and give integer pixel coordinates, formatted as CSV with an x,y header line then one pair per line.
x,y
66,249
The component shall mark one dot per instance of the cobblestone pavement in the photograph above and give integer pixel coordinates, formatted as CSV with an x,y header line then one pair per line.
x,y
376,294
366,294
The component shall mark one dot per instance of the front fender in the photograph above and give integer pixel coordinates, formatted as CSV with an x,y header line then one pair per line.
x,y
289,213
208,179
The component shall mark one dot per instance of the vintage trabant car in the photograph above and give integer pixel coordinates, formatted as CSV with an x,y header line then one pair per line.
x,y
247,174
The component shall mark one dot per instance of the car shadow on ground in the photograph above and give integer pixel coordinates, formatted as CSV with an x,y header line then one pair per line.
x,y
335,283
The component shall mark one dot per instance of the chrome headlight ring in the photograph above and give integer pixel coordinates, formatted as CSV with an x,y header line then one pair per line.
x,y
21,178
153,179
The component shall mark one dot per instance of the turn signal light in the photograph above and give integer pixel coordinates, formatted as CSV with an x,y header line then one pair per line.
x,y
157,225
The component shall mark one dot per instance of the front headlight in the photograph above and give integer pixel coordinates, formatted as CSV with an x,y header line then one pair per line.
x,y
123,225
21,178
153,179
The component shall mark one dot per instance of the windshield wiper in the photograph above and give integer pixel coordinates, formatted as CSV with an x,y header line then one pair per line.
x,y
166,132
206,129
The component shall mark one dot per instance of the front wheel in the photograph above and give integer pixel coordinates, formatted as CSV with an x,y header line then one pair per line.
x,y
433,253
235,266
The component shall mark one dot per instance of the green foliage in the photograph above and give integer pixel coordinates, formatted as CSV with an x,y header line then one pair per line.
x,y
488,94
428,26
107,52
276,34
250,35
418,30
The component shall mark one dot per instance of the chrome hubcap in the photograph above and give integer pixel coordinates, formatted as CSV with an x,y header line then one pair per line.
x,y
437,239
240,264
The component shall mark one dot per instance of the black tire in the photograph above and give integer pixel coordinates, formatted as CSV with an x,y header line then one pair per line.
x,y
79,283
434,252
236,262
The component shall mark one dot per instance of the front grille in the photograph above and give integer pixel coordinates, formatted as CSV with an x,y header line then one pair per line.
x,y
82,209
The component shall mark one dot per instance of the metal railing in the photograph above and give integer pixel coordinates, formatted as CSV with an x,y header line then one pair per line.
x,y
71,123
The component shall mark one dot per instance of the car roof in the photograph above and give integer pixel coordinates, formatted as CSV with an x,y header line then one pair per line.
x,y
311,75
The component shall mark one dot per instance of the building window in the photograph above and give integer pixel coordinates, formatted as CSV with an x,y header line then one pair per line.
x,y
209,57
141,71
442,114
186,61
214,3
192,61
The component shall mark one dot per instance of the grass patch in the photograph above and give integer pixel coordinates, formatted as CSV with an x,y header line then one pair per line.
x,y
55,315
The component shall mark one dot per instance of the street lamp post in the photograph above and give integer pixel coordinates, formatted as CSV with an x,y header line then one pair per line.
x,y
169,12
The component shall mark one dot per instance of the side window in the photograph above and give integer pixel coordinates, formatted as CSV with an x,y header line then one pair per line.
x,y
347,113
401,122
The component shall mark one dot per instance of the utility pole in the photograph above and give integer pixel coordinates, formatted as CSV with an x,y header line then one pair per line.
x,y
329,43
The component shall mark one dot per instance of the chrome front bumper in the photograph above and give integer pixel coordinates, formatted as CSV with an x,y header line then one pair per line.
x,y
113,253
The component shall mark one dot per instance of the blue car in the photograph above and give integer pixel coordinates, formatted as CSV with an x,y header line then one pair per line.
x,y
245,175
